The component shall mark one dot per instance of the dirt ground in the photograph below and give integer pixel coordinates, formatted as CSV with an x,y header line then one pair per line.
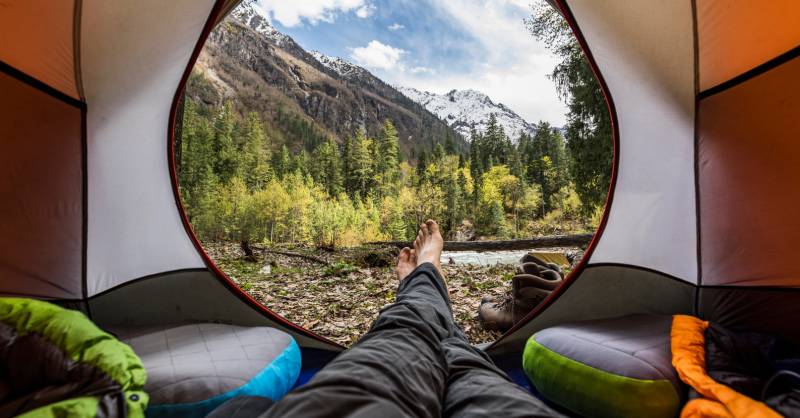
x,y
340,300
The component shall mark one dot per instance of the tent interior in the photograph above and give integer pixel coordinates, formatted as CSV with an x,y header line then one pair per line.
x,y
700,218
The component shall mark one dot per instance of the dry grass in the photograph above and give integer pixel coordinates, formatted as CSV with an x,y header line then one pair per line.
x,y
342,300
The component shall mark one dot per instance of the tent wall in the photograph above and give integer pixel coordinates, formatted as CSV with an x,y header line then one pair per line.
x,y
180,297
735,36
749,176
40,41
652,220
768,310
133,55
41,191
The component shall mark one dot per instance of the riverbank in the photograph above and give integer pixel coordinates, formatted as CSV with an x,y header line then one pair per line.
x,y
341,299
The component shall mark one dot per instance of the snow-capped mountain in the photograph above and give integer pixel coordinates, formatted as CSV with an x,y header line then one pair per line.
x,y
259,69
465,109
247,14
338,65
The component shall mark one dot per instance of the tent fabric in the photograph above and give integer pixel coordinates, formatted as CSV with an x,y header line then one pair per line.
x,y
734,37
653,93
42,239
769,310
134,229
748,160
38,40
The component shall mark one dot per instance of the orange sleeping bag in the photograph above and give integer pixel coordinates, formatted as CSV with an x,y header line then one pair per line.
x,y
689,359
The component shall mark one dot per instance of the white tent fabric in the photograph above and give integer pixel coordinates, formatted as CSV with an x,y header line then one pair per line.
x,y
652,222
134,228
694,192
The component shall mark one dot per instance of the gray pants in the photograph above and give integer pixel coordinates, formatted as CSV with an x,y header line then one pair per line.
x,y
414,362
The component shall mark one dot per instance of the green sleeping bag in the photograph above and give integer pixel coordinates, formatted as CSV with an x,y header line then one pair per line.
x,y
60,364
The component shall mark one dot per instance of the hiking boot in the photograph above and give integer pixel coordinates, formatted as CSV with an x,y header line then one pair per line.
x,y
527,292
530,258
545,278
495,314
552,278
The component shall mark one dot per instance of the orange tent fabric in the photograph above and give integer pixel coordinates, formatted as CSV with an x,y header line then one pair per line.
x,y
689,359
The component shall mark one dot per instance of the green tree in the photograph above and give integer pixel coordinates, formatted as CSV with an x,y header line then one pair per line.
x,y
196,174
282,162
361,170
226,161
588,127
325,167
546,161
422,167
347,166
254,167
387,160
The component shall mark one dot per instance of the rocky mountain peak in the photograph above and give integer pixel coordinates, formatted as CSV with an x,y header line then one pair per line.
x,y
338,65
466,109
249,14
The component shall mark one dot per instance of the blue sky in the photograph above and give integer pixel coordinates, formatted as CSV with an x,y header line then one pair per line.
x,y
433,45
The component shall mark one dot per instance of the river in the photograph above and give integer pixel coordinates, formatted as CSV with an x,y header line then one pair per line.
x,y
485,258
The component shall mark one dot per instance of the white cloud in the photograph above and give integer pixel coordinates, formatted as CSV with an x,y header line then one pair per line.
x,y
421,70
365,11
293,13
395,26
511,65
377,55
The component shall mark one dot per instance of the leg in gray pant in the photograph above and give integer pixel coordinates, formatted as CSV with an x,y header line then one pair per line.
x,y
414,362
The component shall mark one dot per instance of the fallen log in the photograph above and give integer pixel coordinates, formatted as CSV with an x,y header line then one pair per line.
x,y
291,254
577,240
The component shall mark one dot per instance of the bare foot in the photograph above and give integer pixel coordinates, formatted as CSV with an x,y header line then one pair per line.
x,y
406,263
429,243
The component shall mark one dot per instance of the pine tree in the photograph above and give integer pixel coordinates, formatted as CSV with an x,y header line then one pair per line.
x,y
387,160
299,164
588,128
254,167
281,163
196,175
361,170
325,168
449,143
347,166
547,162
422,167
225,164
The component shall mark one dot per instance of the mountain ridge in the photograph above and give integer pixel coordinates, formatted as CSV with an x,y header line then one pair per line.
x,y
462,110
469,109
249,62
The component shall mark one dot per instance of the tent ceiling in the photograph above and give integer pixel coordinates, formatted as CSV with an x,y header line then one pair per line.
x,y
38,38
735,36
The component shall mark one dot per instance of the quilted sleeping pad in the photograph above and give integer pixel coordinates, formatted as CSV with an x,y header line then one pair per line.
x,y
618,367
192,369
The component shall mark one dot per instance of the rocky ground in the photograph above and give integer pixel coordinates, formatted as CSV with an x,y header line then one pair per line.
x,y
340,298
